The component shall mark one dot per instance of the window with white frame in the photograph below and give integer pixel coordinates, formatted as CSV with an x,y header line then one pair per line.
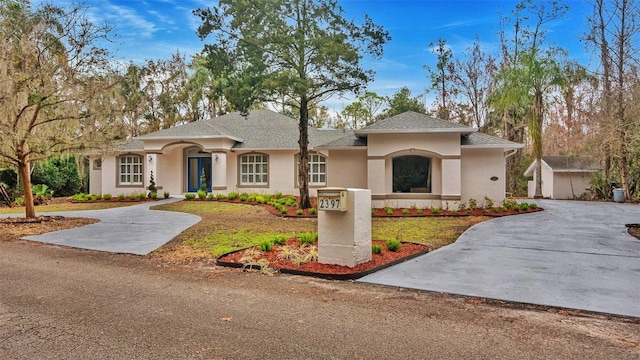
x,y
254,169
317,169
130,170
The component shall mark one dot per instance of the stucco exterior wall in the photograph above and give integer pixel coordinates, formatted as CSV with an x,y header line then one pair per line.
x,y
478,167
438,143
570,184
547,182
171,171
347,168
108,177
95,177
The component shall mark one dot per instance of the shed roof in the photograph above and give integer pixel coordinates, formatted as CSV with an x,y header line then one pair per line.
x,y
567,163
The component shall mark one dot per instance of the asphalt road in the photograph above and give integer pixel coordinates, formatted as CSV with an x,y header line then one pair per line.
x,y
64,303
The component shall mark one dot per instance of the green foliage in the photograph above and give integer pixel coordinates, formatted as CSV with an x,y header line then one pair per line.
x,y
436,210
402,102
60,174
308,237
81,197
233,195
313,211
166,194
132,197
405,211
265,245
299,212
393,245
107,197
189,196
203,181
142,196
152,185
220,196
487,202
202,194
251,198
277,195
121,197
210,196
473,203
279,239
153,195
388,210
376,248
302,52
419,211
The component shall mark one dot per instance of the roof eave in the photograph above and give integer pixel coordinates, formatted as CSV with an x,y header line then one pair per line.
x,y
493,146
416,131
186,138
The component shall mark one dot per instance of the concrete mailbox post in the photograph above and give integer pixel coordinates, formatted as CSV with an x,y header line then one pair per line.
x,y
344,226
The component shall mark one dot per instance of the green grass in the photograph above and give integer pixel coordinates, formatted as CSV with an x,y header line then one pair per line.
x,y
227,227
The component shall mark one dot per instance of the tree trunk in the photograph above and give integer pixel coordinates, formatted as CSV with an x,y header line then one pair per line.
x,y
303,171
537,143
25,177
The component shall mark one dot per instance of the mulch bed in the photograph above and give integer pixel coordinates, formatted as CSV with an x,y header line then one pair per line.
x,y
329,271
633,230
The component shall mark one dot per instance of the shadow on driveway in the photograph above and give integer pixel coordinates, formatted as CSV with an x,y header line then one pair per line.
x,y
574,255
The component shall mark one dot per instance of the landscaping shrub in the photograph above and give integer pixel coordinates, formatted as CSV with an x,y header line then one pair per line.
x,y
376,248
280,239
266,245
60,174
393,245
166,194
202,194
189,196
308,238
107,197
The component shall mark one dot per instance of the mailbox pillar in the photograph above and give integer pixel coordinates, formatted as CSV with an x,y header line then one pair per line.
x,y
344,233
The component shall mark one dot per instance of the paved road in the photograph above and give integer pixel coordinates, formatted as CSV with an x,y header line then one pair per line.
x,y
64,303
575,255
131,229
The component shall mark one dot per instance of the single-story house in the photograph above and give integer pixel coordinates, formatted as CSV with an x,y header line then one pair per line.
x,y
407,160
563,177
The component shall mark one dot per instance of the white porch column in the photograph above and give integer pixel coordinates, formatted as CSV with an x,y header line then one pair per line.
x,y
151,165
451,178
219,171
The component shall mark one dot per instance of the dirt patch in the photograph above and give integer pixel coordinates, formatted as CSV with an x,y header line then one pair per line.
x,y
15,228
634,230
302,259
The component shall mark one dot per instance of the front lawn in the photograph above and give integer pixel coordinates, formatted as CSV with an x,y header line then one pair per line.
x,y
227,227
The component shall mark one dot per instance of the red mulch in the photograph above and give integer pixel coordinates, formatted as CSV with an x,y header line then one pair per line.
x,y
378,260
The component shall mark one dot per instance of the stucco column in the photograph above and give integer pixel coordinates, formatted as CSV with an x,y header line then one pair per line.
x,y
376,176
151,165
219,171
451,178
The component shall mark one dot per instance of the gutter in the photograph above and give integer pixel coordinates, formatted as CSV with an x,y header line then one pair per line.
x,y
511,153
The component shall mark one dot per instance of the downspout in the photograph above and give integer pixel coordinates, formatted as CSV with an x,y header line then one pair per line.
x,y
510,153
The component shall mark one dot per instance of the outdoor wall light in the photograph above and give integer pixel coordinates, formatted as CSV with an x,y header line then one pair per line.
x,y
216,158
150,158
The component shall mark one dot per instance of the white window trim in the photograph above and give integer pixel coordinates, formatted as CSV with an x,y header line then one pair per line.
x,y
136,160
255,165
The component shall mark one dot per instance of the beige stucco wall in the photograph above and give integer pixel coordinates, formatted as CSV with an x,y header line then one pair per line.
x,y
347,168
438,143
478,166
570,184
444,151
95,177
108,177
547,182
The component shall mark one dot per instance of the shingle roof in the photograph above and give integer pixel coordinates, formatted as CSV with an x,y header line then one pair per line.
x,y
483,140
347,140
413,122
190,130
572,163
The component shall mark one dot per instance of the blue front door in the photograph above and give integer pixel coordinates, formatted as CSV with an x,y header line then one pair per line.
x,y
195,167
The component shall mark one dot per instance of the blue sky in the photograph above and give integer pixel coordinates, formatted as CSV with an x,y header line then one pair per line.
x,y
155,29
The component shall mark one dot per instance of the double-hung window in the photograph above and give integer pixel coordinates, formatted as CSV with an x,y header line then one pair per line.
x,y
130,170
254,170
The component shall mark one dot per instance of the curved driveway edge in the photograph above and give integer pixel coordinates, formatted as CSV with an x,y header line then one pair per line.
x,y
131,229
574,255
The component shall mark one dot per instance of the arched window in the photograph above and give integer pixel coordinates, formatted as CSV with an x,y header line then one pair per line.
x,y
254,169
130,170
412,173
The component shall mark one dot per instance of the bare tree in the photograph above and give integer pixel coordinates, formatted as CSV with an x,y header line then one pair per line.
x,y
51,71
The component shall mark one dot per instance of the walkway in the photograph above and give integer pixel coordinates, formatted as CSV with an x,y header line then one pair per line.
x,y
131,229
574,255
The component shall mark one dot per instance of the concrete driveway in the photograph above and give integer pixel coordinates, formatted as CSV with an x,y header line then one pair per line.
x,y
574,255
131,229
